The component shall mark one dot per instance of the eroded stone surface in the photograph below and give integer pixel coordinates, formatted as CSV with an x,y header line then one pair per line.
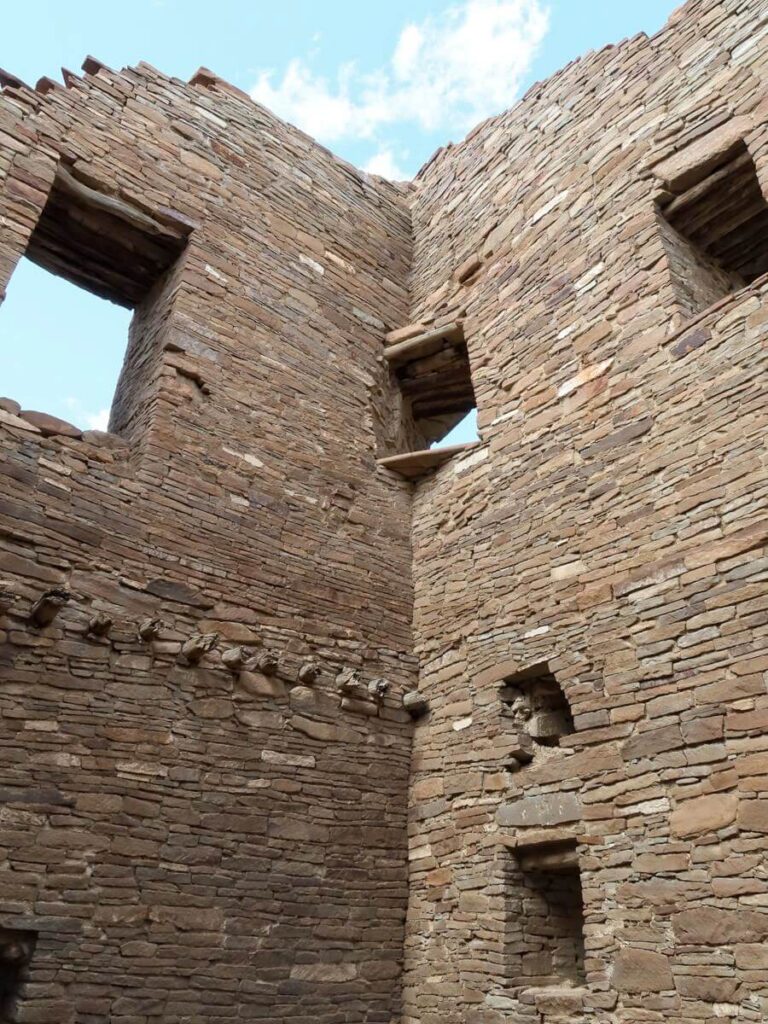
x,y
50,426
642,970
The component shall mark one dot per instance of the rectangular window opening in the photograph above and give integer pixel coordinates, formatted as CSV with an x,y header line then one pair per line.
x,y
546,917
714,228
464,430
433,374
62,348
435,380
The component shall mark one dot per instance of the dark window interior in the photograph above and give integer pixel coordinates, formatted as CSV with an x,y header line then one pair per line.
x,y
546,917
102,242
16,949
715,230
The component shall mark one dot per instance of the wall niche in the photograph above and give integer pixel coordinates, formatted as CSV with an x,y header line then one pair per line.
x,y
534,707
545,916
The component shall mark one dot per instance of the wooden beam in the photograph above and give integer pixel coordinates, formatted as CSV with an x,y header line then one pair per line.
x,y
424,344
548,856
732,220
116,207
562,859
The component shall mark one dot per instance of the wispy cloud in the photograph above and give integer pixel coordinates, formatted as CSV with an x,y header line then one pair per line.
x,y
445,73
98,420
385,163
82,415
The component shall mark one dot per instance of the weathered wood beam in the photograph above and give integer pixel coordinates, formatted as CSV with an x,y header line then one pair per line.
x,y
728,204
737,219
116,207
424,344
548,854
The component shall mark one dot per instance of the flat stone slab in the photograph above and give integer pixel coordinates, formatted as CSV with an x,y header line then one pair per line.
x,y
10,420
50,426
415,464
547,809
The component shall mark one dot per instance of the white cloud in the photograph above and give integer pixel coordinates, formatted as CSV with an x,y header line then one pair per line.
x,y
407,51
384,162
98,421
446,73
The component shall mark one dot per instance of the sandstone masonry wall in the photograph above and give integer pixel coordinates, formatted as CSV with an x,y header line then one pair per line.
x,y
214,805
192,841
612,525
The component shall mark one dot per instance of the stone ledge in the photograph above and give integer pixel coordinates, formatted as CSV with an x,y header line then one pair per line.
x,y
532,840
753,288
689,164
541,811
45,425
555,1000
414,464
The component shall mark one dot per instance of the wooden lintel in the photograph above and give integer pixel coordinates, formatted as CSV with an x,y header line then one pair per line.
x,y
415,464
424,344
116,207
551,858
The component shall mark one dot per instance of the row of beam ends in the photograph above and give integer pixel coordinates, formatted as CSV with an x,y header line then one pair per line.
x,y
349,683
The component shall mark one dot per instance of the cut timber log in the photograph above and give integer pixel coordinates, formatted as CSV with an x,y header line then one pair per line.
x,y
549,857
424,344
116,207
415,464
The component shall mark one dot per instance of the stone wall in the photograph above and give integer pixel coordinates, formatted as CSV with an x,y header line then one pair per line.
x,y
206,784
612,525
698,282
197,840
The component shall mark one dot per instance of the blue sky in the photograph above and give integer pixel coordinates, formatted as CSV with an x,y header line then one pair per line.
x,y
382,85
